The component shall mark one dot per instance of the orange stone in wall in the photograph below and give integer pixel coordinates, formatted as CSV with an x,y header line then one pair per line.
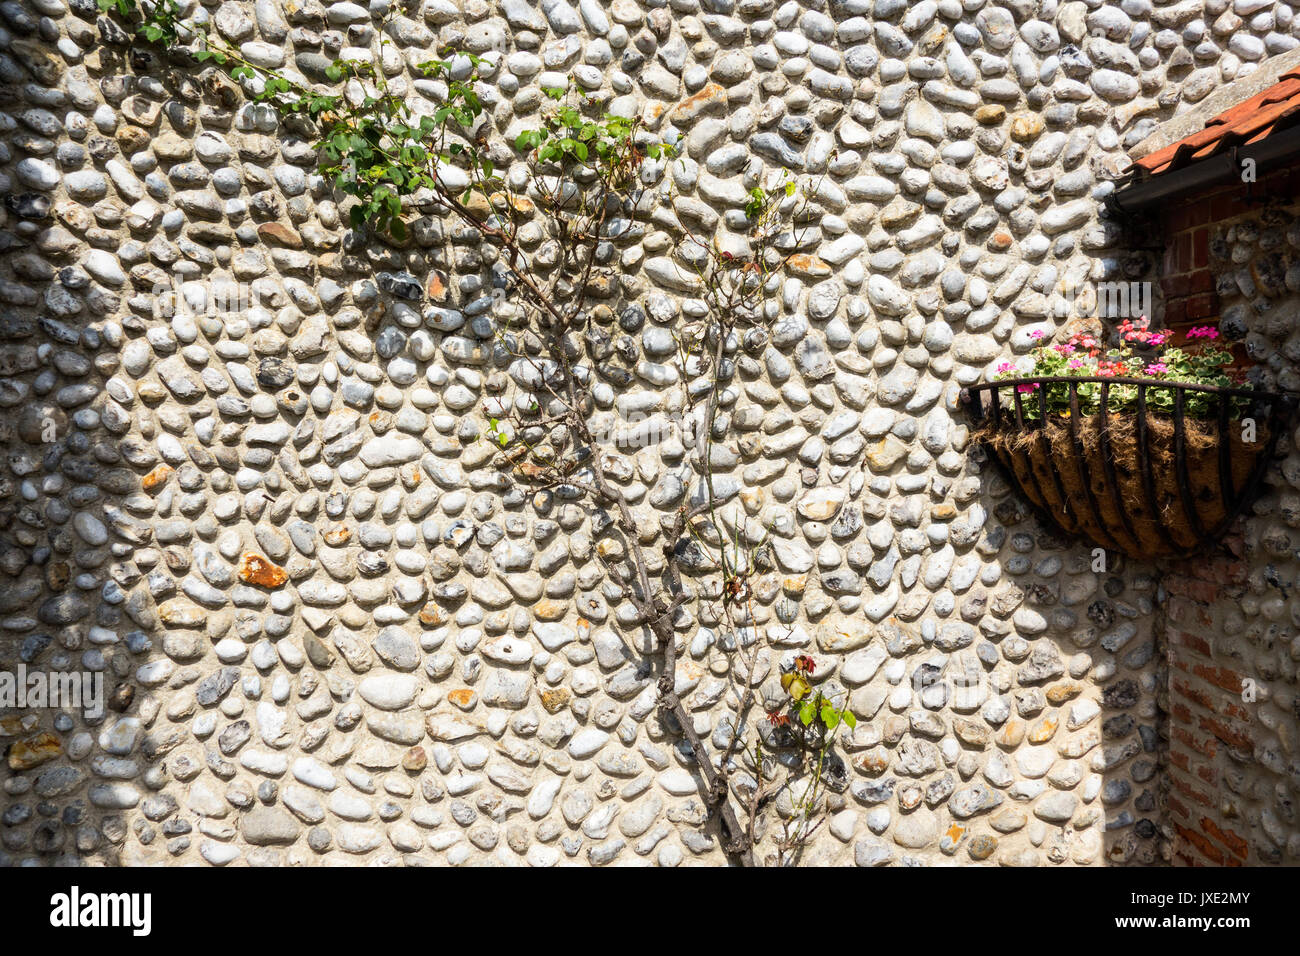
x,y
463,697
157,477
34,751
255,569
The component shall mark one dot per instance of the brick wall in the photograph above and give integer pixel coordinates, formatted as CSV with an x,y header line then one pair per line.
x,y
1208,722
1186,283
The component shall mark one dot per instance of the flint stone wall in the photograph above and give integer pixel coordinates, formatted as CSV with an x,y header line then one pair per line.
x,y
333,633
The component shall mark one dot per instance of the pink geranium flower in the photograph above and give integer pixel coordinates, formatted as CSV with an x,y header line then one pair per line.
x,y
1086,341
1140,333
1140,354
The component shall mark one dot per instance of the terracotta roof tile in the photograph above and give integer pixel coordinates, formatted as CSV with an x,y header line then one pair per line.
x,y
1250,121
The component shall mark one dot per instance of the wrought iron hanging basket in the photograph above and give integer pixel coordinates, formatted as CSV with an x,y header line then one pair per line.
x,y
1147,480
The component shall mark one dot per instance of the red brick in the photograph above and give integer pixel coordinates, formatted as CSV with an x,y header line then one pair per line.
x,y
1175,285
1229,838
1202,280
1229,680
1233,571
1177,807
1234,710
1194,642
1194,694
1221,207
1202,745
1203,845
1204,592
1175,311
1231,736
1200,248
1188,613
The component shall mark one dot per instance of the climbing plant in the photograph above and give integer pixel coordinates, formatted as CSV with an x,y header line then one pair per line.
x,y
548,226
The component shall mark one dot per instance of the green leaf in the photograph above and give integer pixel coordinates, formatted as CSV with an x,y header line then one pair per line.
x,y
807,711
829,715
850,719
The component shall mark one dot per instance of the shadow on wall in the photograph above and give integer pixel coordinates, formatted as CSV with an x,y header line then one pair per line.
x,y
1060,741
115,578
77,510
